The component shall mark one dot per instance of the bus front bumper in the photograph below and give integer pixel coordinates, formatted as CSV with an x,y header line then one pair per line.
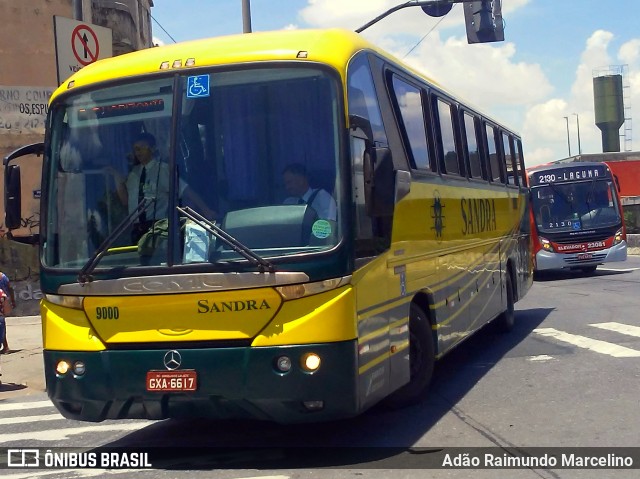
x,y
234,382
551,260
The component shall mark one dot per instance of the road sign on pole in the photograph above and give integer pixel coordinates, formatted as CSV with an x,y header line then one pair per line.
x,y
78,44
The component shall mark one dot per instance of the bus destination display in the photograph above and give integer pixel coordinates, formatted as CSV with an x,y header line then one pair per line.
x,y
561,175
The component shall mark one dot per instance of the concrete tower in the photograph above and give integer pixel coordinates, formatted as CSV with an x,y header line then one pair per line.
x,y
609,109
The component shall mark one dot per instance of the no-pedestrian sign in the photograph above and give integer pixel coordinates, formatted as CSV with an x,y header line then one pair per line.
x,y
78,44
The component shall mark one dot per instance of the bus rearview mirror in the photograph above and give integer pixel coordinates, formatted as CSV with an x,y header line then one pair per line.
x,y
12,197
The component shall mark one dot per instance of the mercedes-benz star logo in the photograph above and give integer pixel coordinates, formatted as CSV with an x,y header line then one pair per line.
x,y
172,360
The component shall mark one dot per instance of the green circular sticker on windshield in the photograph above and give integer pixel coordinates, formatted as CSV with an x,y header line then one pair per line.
x,y
321,229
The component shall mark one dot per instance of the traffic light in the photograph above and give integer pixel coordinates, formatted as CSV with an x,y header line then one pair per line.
x,y
483,20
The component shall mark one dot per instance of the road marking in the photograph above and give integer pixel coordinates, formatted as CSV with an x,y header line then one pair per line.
x,y
621,270
596,345
540,358
25,405
73,473
79,473
65,433
23,419
619,328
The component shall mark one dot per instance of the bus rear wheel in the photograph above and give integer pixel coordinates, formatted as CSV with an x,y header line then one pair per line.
x,y
507,318
421,360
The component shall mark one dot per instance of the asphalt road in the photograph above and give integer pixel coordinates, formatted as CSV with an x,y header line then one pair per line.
x,y
566,377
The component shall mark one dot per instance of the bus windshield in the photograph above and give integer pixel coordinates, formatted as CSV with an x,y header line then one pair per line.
x,y
256,151
575,206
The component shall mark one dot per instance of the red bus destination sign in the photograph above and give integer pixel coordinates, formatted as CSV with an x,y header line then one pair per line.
x,y
575,173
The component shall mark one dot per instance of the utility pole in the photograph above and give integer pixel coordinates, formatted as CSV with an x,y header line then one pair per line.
x,y
578,127
568,140
246,16
77,10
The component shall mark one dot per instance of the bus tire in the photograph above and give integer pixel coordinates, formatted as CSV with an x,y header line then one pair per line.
x,y
506,320
421,360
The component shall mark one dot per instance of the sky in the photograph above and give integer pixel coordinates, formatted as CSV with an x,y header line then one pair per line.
x,y
542,72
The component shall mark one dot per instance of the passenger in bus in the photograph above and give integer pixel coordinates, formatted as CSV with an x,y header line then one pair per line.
x,y
149,178
296,182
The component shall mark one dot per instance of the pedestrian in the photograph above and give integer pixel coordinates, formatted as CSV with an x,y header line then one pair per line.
x,y
8,302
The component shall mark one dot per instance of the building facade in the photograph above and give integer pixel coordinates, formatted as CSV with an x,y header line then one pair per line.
x,y
28,77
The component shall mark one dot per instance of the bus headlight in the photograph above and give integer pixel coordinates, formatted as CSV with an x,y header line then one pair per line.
x,y
79,368
73,302
546,244
311,362
62,367
295,291
617,239
283,364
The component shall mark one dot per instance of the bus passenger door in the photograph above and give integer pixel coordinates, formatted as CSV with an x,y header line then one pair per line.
x,y
371,280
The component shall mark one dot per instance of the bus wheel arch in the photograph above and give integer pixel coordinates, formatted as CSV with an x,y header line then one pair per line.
x,y
422,347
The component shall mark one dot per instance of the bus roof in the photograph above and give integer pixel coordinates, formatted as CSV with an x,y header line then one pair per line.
x,y
331,46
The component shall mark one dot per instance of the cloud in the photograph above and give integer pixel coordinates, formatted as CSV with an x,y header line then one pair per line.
x,y
545,127
355,13
491,77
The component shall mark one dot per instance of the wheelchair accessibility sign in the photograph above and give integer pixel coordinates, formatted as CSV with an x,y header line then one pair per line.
x,y
198,86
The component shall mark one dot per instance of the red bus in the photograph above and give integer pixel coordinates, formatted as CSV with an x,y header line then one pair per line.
x,y
576,216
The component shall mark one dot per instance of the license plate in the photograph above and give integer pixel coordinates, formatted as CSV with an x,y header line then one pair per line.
x,y
583,256
171,381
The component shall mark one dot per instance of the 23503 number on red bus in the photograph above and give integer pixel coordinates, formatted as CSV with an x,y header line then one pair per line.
x,y
170,381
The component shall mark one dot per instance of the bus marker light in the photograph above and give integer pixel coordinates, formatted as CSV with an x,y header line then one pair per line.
x,y
79,368
546,244
618,237
283,364
164,66
62,367
292,291
176,64
313,405
190,62
302,54
311,362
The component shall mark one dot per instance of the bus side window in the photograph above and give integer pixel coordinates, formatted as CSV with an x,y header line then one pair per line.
x,y
508,158
471,146
496,174
445,138
522,172
363,100
410,113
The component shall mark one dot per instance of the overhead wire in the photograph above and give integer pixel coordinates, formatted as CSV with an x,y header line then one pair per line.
x,y
158,23
432,29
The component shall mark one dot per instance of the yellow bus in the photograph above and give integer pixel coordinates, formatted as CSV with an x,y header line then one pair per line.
x,y
242,297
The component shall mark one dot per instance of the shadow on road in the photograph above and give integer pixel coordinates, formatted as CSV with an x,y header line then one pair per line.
x,y
564,274
377,435
6,387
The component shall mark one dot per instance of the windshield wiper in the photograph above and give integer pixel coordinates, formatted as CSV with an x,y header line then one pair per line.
x,y
233,243
85,273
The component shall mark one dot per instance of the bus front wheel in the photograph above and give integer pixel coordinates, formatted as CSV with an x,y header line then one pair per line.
x,y
421,360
